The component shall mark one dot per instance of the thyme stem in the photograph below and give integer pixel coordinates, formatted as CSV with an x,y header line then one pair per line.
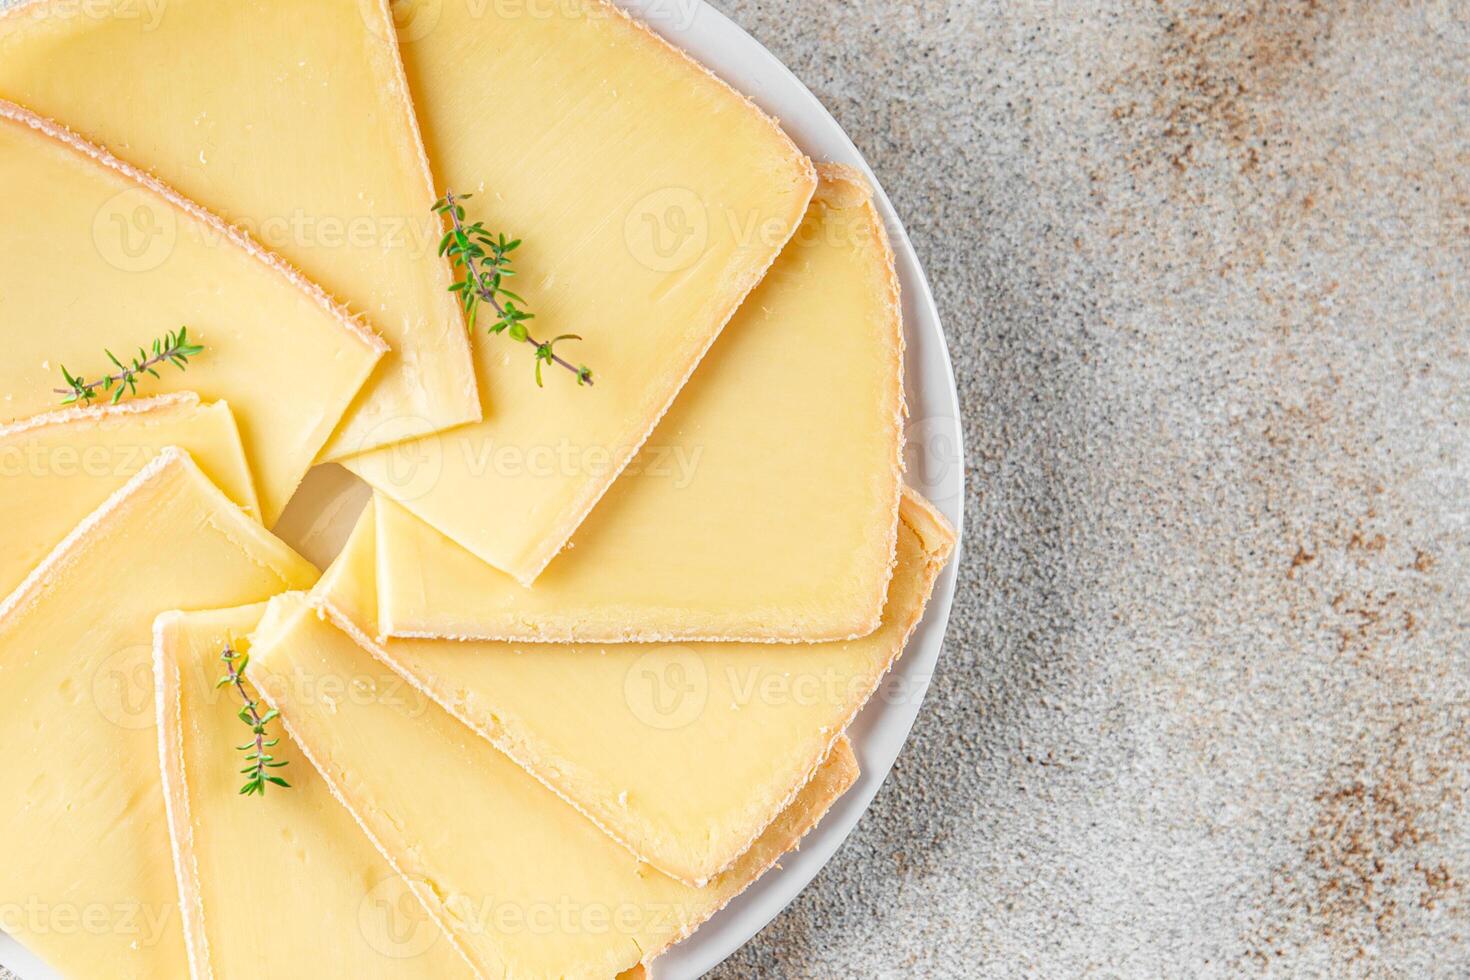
x,y
467,248
171,348
260,761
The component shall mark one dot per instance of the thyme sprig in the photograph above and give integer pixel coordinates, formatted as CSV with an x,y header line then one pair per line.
x,y
261,762
171,348
485,263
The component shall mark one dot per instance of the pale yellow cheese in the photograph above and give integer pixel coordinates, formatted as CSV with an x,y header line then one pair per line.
x,y
682,752
765,505
350,583
84,849
525,885
291,121
287,359
287,885
56,469
650,197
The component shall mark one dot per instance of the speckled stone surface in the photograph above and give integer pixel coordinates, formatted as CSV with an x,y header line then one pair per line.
x,y
1205,707
1205,269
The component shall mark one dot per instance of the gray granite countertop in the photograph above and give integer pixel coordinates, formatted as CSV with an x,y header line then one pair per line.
x,y
1205,269
1204,709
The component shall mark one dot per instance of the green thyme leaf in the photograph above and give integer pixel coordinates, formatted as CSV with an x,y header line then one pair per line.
x,y
484,262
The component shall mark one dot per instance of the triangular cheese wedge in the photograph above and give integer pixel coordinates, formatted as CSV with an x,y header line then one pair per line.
x,y
524,884
763,508
285,886
83,832
651,198
55,469
350,583
287,359
684,753
291,121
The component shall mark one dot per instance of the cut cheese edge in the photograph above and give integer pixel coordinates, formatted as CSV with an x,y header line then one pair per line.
x,y
651,198
286,358
764,507
55,469
522,882
77,715
286,886
684,753
292,122
350,583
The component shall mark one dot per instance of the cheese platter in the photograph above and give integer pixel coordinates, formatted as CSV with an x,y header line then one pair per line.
x,y
333,502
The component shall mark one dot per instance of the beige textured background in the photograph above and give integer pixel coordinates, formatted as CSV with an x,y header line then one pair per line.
x,y
1205,267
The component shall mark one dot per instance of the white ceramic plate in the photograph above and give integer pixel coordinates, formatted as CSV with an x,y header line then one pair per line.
x,y
327,506
935,460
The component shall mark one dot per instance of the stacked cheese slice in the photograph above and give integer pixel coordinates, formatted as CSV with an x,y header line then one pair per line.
x,y
290,120
94,254
583,671
651,198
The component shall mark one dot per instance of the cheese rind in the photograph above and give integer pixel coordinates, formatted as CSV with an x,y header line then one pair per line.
x,y
287,359
684,753
651,200
765,506
76,706
292,122
287,886
56,469
525,885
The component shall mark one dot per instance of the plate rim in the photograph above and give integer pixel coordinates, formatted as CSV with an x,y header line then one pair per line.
x,y
882,730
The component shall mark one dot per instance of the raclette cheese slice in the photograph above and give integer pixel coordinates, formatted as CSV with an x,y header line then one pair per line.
x,y
679,705
523,883
684,753
349,586
55,469
651,198
83,836
285,886
291,121
96,256
763,508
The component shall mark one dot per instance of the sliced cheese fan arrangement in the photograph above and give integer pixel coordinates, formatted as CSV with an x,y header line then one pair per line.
x,y
623,370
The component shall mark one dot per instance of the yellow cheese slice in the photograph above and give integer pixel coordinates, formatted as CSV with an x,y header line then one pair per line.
x,y
350,583
286,358
83,838
286,886
651,199
683,753
55,469
763,508
523,883
291,121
